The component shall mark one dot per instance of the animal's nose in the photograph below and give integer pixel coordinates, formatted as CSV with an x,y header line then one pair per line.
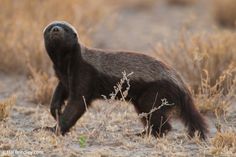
x,y
55,29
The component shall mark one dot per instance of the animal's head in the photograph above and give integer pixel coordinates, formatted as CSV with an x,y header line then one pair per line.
x,y
60,35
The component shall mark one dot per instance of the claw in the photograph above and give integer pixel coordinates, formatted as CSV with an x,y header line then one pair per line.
x,y
142,134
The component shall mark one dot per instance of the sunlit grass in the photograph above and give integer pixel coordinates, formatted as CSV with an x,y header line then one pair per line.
x,y
6,106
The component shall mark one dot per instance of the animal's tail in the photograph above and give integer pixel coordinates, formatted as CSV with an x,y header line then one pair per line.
x,y
191,117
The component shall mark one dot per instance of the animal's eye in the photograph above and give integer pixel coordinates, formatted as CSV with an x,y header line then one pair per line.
x,y
75,35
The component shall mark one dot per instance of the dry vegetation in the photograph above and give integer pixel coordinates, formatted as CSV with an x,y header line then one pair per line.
x,y
224,141
213,53
206,61
42,86
24,21
225,12
181,2
6,106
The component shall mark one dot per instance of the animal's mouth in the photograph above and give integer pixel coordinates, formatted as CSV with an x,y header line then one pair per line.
x,y
55,35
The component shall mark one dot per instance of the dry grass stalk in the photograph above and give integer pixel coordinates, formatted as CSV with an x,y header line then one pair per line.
x,y
211,52
223,142
5,107
148,115
118,89
217,98
42,86
207,62
58,131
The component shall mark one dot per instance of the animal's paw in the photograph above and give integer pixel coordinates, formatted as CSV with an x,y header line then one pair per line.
x,y
142,134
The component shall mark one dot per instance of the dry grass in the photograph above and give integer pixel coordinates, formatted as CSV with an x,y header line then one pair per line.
x,y
21,32
212,98
224,142
207,62
5,107
225,12
41,85
213,53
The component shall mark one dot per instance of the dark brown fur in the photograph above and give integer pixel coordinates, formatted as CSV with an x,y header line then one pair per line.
x,y
90,73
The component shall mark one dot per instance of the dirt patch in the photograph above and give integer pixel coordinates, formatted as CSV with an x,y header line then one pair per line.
x,y
108,129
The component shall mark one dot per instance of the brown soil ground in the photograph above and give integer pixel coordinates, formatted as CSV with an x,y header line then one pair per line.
x,y
108,129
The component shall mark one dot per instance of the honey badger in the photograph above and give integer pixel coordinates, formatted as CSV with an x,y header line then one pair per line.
x,y
87,74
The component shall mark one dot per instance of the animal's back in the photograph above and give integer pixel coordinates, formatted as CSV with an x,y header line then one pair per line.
x,y
143,67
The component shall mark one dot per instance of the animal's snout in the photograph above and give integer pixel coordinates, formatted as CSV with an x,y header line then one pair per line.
x,y
56,29
56,32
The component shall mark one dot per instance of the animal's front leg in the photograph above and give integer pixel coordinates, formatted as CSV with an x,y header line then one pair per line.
x,y
59,96
79,81
73,111
58,99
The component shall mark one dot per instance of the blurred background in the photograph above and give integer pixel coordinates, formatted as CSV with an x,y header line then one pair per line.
x,y
196,37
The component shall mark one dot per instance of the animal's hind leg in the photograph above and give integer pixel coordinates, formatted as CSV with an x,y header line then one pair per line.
x,y
158,124
154,119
